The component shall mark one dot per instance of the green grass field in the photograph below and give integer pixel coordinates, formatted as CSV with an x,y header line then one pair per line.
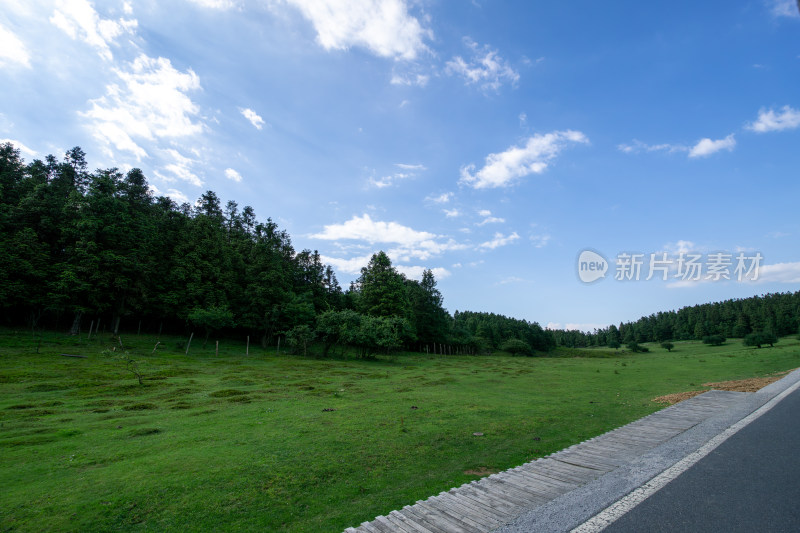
x,y
285,443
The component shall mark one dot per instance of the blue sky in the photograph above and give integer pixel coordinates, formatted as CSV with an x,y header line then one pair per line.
x,y
489,141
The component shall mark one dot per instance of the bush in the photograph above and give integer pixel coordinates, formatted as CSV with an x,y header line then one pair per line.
x,y
298,339
714,340
635,348
516,347
668,346
760,338
614,344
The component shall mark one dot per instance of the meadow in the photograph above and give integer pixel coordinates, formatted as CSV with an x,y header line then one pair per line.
x,y
280,442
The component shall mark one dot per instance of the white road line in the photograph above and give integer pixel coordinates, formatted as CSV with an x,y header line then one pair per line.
x,y
614,511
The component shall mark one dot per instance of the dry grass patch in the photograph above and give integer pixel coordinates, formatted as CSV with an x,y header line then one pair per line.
x,y
738,385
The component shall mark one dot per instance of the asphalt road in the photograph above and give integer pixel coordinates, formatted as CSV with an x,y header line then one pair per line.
x,y
751,482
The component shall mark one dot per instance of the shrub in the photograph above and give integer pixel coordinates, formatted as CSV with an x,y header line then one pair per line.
x,y
760,338
614,344
636,348
299,337
714,340
516,347
668,346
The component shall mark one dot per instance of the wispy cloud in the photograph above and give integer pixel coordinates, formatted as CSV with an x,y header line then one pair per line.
x,y
770,120
179,167
540,240
384,27
12,49
233,175
638,146
706,147
148,102
21,147
499,240
488,218
784,8
406,242
532,157
451,213
485,68
443,198
408,171
214,4
253,117
79,20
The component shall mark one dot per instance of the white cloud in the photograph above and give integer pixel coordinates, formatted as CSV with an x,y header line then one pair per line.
x,y
21,147
504,168
214,4
420,80
638,146
79,20
769,120
253,117
389,180
540,241
485,68
415,272
150,103
372,231
175,194
576,326
354,265
499,240
682,247
409,243
512,279
706,147
384,27
779,273
180,167
233,175
488,218
451,213
12,49
441,199
406,166
784,8
349,266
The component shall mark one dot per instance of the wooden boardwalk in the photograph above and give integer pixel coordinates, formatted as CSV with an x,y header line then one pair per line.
x,y
493,501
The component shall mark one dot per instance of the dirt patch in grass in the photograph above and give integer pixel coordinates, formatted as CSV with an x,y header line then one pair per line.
x,y
481,471
738,385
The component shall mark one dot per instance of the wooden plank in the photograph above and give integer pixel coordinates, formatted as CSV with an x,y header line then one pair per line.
x,y
551,471
441,519
382,525
527,497
409,524
500,509
540,492
367,527
592,458
467,523
471,507
413,513
492,490
558,485
390,526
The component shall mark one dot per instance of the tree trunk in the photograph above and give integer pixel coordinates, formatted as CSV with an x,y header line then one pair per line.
x,y
76,324
189,343
116,324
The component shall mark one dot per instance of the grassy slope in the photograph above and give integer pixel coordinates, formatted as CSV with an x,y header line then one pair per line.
x,y
235,443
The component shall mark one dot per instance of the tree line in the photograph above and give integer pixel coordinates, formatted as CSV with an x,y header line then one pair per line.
x,y
759,317
79,249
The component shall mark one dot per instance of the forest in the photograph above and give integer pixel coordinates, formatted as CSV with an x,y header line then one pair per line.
x,y
81,249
